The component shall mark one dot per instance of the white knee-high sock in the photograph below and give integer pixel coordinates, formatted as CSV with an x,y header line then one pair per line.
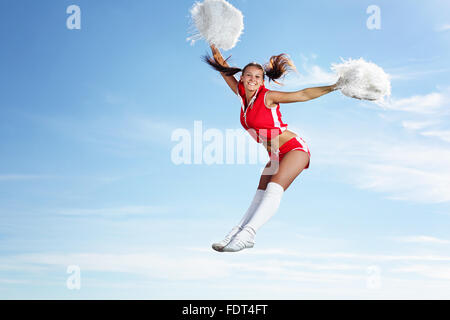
x,y
253,206
268,206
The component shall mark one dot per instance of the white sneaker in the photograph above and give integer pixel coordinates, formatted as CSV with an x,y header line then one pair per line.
x,y
244,239
218,246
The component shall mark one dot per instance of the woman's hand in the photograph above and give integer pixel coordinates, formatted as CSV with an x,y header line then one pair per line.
x,y
230,80
340,83
218,56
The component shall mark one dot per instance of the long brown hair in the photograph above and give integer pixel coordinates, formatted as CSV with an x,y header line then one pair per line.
x,y
277,67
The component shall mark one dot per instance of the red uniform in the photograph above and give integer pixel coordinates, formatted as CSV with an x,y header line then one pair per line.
x,y
265,123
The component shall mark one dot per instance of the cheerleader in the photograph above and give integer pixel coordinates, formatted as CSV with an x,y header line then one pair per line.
x,y
261,117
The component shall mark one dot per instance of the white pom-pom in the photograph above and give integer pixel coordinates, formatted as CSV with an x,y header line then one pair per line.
x,y
218,22
362,80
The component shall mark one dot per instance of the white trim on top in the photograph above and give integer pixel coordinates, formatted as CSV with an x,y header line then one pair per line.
x,y
276,123
265,104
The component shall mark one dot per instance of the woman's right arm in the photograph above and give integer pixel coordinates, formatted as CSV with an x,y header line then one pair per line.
x,y
275,97
230,80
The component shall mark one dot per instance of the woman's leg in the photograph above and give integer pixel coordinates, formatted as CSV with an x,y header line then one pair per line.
x,y
293,163
266,175
263,181
290,167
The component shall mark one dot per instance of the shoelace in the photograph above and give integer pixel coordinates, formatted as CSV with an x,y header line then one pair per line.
x,y
230,235
239,243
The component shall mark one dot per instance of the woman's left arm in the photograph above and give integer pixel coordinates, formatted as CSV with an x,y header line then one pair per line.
x,y
275,97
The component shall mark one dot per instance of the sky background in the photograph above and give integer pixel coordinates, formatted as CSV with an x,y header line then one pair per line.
x,y
87,177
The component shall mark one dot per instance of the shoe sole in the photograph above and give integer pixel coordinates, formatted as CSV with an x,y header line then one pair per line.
x,y
246,247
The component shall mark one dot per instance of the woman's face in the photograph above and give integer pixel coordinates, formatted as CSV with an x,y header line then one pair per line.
x,y
252,78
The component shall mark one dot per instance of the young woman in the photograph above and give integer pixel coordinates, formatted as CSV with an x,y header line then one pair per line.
x,y
261,117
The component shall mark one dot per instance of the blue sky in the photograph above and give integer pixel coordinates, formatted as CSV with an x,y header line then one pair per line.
x,y
87,178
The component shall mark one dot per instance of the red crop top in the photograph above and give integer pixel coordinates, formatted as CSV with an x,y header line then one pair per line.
x,y
262,122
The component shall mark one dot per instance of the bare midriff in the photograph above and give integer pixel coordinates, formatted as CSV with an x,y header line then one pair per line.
x,y
278,141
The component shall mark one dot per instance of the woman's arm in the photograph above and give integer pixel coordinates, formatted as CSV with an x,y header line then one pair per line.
x,y
275,97
230,80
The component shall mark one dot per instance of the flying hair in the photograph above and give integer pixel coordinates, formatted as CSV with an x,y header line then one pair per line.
x,y
277,67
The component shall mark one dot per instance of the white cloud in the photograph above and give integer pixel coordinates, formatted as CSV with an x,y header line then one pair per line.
x,y
443,27
316,75
116,211
422,239
308,74
183,263
324,274
437,272
410,75
403,168
177,266
444,135
423,104
360,259
417,125
13,281
403,183
403,165
151,265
